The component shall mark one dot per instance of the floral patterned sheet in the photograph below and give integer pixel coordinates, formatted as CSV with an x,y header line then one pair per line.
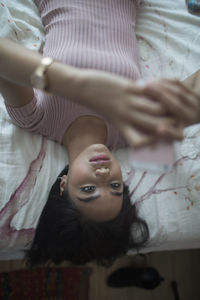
x,y
168,38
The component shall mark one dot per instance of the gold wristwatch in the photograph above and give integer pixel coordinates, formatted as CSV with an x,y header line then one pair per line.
x,y
38,77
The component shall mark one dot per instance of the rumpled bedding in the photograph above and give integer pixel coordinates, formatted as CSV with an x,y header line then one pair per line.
x,y
169,46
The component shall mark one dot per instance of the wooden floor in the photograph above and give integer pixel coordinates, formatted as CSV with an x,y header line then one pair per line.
x,y
182,266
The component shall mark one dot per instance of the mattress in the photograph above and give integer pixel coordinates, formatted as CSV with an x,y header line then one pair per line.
x,y
168,39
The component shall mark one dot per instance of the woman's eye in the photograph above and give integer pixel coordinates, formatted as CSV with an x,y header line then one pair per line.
x,y
115,185
88,189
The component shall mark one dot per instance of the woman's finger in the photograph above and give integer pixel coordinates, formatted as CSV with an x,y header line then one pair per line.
x,y
170,133
146,122
172,99
149,106
189,96
136,138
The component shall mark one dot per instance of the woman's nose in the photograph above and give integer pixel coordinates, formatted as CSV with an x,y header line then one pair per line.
x,y
102,171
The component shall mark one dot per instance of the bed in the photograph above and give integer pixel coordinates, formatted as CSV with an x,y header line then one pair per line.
x,y
169,45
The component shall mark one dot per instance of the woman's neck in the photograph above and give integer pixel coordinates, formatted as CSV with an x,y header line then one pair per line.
x,y
82,133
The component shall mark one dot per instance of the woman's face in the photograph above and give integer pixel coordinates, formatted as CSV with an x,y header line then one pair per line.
x,y
94,183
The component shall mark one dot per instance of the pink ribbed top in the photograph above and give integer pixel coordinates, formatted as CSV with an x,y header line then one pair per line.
x,y
95,34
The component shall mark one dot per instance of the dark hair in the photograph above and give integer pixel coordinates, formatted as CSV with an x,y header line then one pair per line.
x,y
63,235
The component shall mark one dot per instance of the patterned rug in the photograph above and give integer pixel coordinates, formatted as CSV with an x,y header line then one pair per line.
x,y
70,283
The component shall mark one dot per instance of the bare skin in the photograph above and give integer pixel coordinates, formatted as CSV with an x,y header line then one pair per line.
x,y
85,179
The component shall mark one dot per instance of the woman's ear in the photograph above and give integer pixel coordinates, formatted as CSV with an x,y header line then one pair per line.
x,y
63,184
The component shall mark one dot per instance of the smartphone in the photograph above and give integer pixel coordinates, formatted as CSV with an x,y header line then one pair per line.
x,y
160,157
156,158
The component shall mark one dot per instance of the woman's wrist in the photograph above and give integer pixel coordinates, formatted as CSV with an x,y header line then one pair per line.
x,y
18,64
64,80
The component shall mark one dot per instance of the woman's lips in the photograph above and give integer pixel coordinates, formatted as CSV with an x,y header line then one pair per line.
x,y
100,157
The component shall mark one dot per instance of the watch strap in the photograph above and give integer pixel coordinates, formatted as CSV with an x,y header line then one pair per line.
x,y
38,77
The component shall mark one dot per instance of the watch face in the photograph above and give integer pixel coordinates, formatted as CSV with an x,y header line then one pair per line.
x,y
38,82
38,78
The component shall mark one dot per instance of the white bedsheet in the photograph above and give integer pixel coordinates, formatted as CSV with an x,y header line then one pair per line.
x,y
169,40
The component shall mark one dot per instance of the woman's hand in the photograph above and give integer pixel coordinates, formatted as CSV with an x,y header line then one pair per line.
x,y
181,101
124,103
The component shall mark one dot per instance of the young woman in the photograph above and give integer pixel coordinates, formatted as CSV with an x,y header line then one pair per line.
x,y
89,68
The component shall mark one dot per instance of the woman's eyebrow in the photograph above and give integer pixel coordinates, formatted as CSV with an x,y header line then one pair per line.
x,y
97,196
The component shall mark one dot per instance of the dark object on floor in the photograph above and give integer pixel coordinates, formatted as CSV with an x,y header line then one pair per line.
x,y
46,283
146,278
174,287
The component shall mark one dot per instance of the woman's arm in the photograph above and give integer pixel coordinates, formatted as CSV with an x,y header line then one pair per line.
x,y
16,66
122,101
17,63
15,95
